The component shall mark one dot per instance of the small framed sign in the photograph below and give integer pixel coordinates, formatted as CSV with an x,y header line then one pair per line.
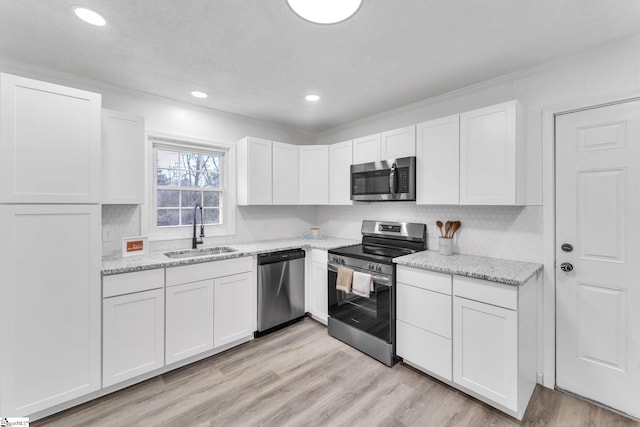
x,y
134,246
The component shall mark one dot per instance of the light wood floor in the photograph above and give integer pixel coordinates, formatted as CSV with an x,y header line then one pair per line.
x,y
300,376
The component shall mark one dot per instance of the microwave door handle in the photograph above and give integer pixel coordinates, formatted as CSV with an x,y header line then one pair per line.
x,y
392,179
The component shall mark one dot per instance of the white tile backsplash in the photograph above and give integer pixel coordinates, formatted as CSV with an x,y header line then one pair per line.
x,y
118,221
494,231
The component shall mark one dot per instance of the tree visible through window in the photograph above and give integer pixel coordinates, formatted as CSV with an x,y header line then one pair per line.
x,y
184,179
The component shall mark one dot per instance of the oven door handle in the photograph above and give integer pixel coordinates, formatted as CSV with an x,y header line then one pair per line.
x,y
380,280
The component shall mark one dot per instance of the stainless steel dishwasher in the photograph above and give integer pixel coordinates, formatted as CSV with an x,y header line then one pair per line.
x,y
280,289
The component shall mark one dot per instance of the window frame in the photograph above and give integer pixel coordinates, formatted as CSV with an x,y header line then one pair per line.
x,y
157,140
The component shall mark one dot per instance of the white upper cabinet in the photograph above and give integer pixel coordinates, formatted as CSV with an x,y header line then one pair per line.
x,y
123,166
366,149
254,170
285,173
49,143
398,143
438,161
314,175
492,156
340,159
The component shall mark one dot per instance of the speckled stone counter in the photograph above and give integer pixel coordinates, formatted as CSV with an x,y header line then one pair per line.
x,y
493,269
160,260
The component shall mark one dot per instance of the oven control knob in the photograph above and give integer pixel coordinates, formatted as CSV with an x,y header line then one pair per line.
x,y
341,260
378,268
370,266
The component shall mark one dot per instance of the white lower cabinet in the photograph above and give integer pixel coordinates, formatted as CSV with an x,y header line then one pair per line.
x,y
189,326
475,335
234,308
132,325
316,284
49,306
486,350
423,320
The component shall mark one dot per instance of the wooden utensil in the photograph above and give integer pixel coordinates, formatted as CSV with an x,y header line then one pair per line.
x,y
454,227
439,224
447,228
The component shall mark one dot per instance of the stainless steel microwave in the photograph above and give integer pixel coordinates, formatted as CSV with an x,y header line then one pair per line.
x,y
393,179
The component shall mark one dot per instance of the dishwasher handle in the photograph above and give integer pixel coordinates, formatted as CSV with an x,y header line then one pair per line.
x,y
280,256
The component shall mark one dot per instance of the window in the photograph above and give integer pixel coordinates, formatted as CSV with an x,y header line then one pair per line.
x,y
184,177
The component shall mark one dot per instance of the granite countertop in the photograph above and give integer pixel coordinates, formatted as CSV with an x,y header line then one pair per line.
x,y
493,269
160,260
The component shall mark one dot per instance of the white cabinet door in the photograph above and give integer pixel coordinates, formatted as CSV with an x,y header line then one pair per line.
x,y
285,174
398,143
254,171
189,324
438,161
485,350
49,143
367,149
425,309
133,335
492,156
123,165
50,298
317,278
314,175
340,159
234,310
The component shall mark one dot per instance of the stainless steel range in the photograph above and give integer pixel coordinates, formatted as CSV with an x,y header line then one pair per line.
x,y
368,322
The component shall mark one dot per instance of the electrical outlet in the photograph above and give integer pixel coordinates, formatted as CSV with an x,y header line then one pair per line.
x,y
107,234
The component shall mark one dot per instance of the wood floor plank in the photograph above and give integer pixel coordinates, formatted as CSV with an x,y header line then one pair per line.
x,y
299,376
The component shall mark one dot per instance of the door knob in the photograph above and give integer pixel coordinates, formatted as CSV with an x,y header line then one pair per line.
x,y
566,267
567,247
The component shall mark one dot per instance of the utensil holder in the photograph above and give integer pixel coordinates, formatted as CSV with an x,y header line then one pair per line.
x,y
446,245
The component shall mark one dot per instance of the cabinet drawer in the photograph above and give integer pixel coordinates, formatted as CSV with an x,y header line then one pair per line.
x,y
427,351
425,309
207,270
424,279
484,291
127,283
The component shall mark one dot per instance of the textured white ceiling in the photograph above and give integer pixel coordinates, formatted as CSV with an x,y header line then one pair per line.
x,y
256,58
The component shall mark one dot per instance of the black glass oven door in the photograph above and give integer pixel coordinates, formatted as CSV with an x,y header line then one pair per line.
x,y
371,315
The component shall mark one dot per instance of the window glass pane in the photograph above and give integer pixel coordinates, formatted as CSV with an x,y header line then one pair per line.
x,y
168,217
190,198
210,179
211,163
168,198
212,216
167,177
187,216
211,199
189,178
167,159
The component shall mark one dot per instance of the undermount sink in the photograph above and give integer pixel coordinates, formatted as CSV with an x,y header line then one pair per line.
x,y
192,253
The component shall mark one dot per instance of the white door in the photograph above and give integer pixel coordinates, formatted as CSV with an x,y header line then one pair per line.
x,y
598,302
366,149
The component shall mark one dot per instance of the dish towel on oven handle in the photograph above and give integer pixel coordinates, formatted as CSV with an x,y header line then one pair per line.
x,y
344,280
362,284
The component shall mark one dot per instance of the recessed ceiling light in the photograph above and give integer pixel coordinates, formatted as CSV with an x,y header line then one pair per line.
x,y
312,98
89,16
325,11
199,94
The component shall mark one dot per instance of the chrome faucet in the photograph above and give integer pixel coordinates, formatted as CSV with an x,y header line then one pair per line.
x,y
195,241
